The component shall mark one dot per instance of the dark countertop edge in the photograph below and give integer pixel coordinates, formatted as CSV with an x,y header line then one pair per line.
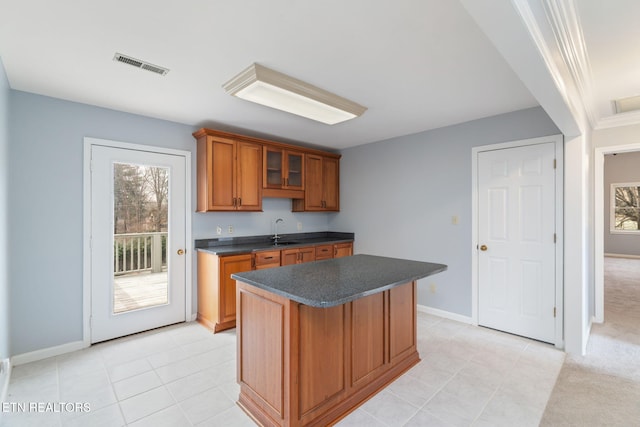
x,y
326,304
250,244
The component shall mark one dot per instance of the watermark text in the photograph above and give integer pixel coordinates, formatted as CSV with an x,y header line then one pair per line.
x,y
43,407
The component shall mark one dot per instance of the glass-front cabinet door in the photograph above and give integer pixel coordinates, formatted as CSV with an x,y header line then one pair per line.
x,y
283,169
273,171
294,170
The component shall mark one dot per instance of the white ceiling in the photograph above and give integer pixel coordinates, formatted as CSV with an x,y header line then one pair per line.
x,y
416,64
612,38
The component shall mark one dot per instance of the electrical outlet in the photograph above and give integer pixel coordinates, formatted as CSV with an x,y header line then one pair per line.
x,y
299,226
218,230
432,288
230,230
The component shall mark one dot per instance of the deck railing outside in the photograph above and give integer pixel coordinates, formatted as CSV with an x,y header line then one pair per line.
x,y
136,252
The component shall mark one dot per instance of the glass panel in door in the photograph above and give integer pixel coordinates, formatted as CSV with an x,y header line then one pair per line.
x,y
273,169
294,163
140,202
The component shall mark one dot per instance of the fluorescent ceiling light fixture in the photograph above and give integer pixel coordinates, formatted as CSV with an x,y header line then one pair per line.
x,y
276,90
624,105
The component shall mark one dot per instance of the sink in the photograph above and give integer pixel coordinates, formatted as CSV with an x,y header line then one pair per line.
x,y
285,243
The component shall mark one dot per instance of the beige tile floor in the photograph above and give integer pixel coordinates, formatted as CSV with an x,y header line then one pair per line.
x,y
183,375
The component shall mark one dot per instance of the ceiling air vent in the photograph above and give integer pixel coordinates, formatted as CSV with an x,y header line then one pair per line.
x,y
138,63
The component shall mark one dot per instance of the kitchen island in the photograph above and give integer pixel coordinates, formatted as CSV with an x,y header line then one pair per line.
x,y
316,340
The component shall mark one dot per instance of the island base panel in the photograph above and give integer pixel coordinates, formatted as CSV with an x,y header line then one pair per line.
x,y
307,366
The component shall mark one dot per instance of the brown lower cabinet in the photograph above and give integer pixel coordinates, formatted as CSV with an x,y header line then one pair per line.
x,y
307,366
217,290
266,259
324,252
342,249
298,255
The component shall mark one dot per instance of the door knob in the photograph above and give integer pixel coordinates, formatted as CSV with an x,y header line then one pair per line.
x,y
180,251
483,247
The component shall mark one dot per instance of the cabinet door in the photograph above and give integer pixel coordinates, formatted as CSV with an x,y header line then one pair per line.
x,y
221,174
230,265
294,170
322,192
330,184
342,249
249,177
273,168
298,256
307,254
289,256
313,183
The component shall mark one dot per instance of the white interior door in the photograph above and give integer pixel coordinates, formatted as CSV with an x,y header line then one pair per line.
x,y
516,240
138,237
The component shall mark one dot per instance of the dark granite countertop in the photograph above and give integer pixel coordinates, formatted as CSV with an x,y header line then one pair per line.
x,y
336,281
248,244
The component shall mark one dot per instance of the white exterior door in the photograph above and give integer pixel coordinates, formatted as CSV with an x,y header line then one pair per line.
x,y
138,240
516,240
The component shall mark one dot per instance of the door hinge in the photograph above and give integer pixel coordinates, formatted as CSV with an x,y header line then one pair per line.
x,y
554,312
555,163
555,237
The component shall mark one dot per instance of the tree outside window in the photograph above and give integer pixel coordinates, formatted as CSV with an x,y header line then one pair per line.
x,y
140,198
625,208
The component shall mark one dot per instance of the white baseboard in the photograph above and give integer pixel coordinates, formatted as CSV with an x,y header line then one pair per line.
x,y
622,256
5,376
445,314
33,356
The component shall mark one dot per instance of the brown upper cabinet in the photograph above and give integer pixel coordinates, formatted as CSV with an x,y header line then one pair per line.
x,y
322,185
234,173
282,172
229,174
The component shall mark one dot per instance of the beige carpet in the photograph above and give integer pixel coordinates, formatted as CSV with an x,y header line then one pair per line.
x,y
603,387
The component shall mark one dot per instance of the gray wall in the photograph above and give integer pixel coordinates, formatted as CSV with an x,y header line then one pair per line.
x,y
4,230
399,197
621,168
46,209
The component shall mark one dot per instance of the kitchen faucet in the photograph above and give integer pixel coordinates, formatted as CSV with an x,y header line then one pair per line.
x,y
275,236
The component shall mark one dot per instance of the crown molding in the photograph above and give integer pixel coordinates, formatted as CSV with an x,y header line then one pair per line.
x,y
618,120
541,32
565,24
